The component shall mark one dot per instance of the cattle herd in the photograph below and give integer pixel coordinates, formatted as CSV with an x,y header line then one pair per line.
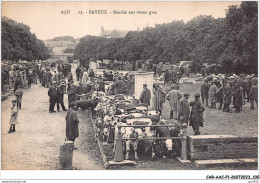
x,y
141,127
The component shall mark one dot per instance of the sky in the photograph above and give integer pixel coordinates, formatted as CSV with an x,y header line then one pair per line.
x,y
48,20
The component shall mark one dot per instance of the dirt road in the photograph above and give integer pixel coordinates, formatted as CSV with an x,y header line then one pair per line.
x,y
36,143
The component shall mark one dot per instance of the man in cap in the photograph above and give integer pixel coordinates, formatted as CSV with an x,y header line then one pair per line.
x,y
184,111
48,79
248,87
158,98
17,82
119,84
110,76
238,97
80,91
101,84
174,97
204,90
212,94
91,73
72,91
145,96
60,96
254,94
78,72
196,117
227,96
72,130
52,93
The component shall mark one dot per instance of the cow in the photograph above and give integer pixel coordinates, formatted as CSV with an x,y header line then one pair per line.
x,y
138,135
88,105
168,147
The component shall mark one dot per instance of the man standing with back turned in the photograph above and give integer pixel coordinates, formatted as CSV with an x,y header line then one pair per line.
x,y
145,97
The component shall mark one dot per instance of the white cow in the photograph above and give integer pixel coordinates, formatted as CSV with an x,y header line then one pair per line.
x,y
136,134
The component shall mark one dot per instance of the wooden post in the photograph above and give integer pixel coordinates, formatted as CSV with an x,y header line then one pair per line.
x,y
119,145
184,142
66,155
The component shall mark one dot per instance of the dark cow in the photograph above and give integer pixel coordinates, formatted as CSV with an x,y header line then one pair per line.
x,y
88,105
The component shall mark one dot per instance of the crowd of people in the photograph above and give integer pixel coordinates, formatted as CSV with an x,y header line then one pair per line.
x,y
234,90
179,109
215,90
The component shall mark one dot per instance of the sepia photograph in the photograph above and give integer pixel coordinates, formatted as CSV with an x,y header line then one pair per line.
x,y
130,86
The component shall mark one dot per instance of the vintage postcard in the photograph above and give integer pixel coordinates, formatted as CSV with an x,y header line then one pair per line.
x,y
130,86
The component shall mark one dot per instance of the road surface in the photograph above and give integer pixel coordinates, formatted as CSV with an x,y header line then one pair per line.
x,y
36,143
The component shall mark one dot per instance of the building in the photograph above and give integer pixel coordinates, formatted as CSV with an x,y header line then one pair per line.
x,y
112,33
62,48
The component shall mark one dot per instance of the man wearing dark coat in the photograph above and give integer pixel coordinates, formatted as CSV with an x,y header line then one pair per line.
x,y
52,93
248,88
48,79
145,97
60,96
166,77
17,82
91,73
80,90
70,77
184,111
101,84
72,130
220,96
227,96
44,78
29,79
204,90
40,72
254,94
4,79
238,97
119,86
78,73
196,117
72,93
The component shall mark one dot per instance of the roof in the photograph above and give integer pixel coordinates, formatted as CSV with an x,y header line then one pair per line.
x,y
115,33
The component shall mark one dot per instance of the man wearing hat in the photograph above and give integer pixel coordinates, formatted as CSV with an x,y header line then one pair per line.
x,y
119,84
174,97
101,85
184,111
91,73
158,98
48,79
145,96
14,117
19,95
248,87
60,96
72,92
204,90
196,117
52,93
72,130
254,94
80,91
213,89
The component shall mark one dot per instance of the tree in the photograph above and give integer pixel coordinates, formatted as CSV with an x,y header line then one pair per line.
x,y
230,42
19,43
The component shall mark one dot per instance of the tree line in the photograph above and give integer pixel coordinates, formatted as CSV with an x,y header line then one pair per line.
x,y
18,43
230,42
